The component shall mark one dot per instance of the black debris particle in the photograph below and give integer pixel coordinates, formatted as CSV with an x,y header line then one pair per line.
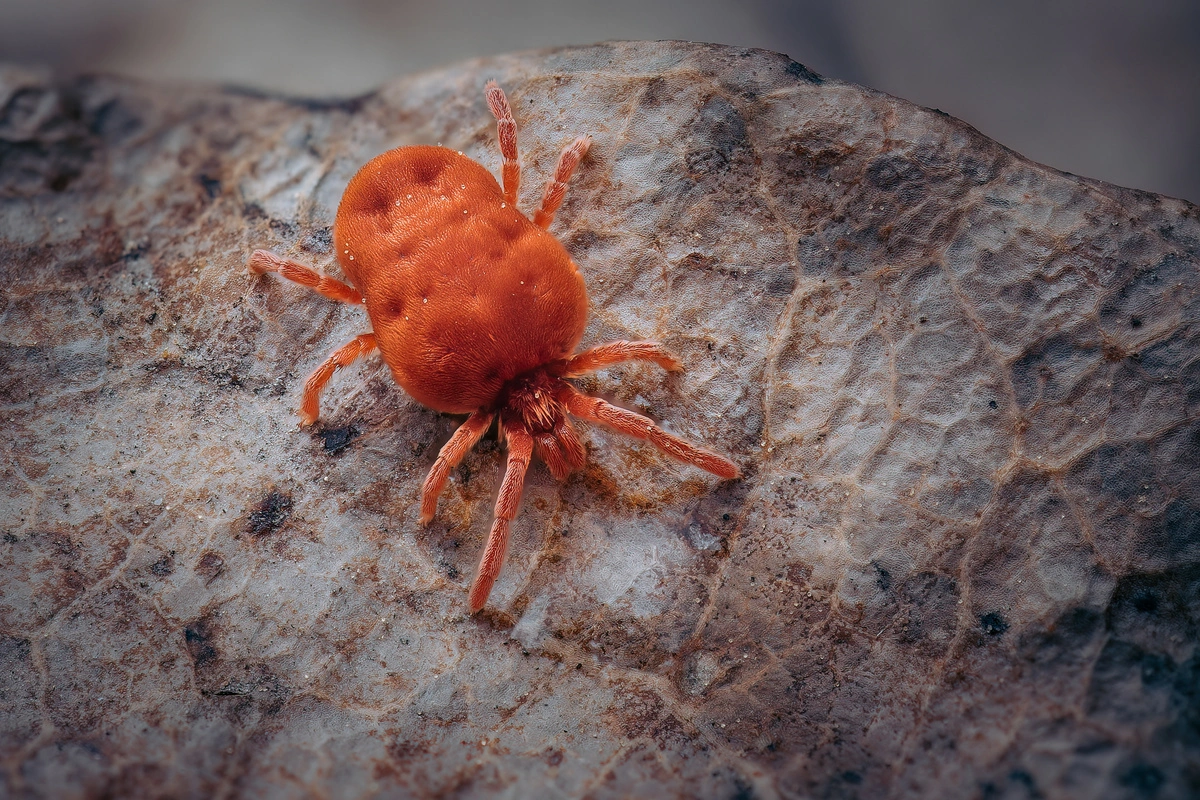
x,y
135,250
993,624
338,439
271,513
798,70
164,566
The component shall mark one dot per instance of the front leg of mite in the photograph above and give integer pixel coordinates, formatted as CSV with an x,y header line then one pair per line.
x,y
520,450
506,133
556,187
347,354
262,261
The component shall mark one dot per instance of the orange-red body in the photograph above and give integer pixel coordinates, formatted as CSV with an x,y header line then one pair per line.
x,y
463,290
477,310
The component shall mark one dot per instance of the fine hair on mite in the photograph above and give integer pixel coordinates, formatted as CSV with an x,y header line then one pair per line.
x,y
478,310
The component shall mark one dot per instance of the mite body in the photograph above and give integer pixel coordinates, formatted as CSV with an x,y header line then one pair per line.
x,y
477,310
463,290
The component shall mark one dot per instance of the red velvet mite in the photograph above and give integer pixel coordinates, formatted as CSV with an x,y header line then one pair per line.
x,y
477,310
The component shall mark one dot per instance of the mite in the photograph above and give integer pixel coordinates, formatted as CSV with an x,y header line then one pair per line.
x,y
477,310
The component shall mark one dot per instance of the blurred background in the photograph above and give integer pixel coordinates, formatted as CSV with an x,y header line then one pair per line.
x,y
1101,88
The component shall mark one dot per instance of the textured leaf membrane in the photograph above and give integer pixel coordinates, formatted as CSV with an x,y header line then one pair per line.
x,y
964,389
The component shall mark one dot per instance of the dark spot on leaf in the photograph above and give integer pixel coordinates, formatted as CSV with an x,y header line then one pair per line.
x,y
1145,601
212,186
993,624
210,567
318,241
200,636
60,181
717,134
1143,779
883,578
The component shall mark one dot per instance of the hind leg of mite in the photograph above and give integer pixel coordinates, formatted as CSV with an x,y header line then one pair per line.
x,y
520,451
605,355
635,425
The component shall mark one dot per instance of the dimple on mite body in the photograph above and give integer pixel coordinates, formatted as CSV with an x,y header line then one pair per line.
x,y
477,310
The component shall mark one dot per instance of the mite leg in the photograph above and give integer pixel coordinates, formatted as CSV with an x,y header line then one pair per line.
x,y
568,439
347,354
452,452
520,450
628,422
560,448
265,261
556,187
616,352
506,132
547,448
